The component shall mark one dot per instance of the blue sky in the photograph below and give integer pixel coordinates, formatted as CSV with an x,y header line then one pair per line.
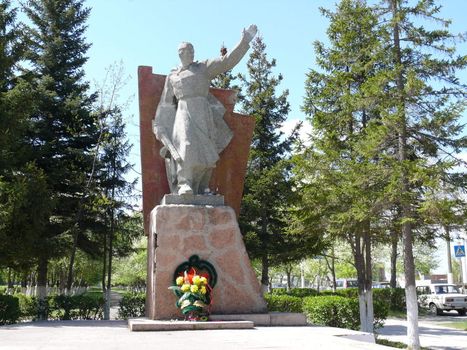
x,y
147,32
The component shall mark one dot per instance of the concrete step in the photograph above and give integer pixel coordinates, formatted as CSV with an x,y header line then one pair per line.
x,y
144,324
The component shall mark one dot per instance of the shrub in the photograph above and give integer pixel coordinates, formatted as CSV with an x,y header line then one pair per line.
x,y
9,309
87,307
342,312
296,292
132,305
380,310
332,311
283,303
28,306
61,306
77,307
395,297
346,292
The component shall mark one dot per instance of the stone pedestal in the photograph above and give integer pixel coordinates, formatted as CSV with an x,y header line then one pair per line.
x,y
180,231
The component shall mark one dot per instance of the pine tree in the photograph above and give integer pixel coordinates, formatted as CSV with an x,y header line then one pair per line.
x,y
20,180
12,94
424,100
342,178
63,133
263,216
115,189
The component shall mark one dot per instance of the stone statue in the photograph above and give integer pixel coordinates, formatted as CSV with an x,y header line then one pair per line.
x,y
189,120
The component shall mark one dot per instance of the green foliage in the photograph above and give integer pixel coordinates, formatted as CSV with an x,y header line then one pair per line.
x,y
9,309
132,305
62,307
341,311
131,270
28,306
296,292
283,303
393,297
264,217
77,307
332,311
346,292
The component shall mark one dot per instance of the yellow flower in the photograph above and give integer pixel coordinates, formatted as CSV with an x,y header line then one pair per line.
x,y
203,280
185,288
194,288
196,280
179,281
203,290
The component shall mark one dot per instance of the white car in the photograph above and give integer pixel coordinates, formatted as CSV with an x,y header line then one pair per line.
x,y
441,297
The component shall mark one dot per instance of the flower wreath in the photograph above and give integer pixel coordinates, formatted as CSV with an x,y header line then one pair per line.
x,y
194,289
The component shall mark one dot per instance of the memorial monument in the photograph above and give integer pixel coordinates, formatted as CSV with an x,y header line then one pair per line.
x,y
194,151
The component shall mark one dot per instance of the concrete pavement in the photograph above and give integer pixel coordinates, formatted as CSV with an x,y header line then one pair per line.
x,y
115,335
432,334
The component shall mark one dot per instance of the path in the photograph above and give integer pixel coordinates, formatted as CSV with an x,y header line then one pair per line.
x,y
114,301
433,334
115,335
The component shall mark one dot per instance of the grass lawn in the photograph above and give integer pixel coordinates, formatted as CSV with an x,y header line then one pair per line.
x,y
462,325
395,344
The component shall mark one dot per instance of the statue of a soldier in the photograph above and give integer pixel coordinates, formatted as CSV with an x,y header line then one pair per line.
x,y
189,120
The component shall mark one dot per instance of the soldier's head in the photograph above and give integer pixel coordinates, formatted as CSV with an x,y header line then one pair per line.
x,y
186,53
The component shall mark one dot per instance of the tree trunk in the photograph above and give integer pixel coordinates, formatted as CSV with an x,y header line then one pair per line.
x,y
410,291
264,274
109,263
332,268
41,289
448,253
264,258
368,293
362,258
413,335
394,243
288,271
10,282
69,281
24,283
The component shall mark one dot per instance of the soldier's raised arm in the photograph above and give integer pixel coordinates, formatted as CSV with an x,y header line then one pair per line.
x,y
222,64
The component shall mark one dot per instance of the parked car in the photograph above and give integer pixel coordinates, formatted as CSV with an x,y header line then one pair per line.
x,y
346,283
440,297
381,285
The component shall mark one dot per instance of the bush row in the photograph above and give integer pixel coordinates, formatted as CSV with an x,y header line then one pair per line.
x,y
394,297
61,307
132,304
327,310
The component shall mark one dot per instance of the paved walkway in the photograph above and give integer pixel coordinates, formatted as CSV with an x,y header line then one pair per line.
x,y
114,335
114,301
433,334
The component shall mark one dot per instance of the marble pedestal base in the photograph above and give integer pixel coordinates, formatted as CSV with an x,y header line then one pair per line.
x,y
179,231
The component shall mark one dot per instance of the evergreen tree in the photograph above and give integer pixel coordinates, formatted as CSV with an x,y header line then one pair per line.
x,y
342,179
115,190
63,132
424,100
263,216
20,180
12,94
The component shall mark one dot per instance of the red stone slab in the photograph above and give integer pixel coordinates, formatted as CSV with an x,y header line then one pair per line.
x,y
180,231
228,177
